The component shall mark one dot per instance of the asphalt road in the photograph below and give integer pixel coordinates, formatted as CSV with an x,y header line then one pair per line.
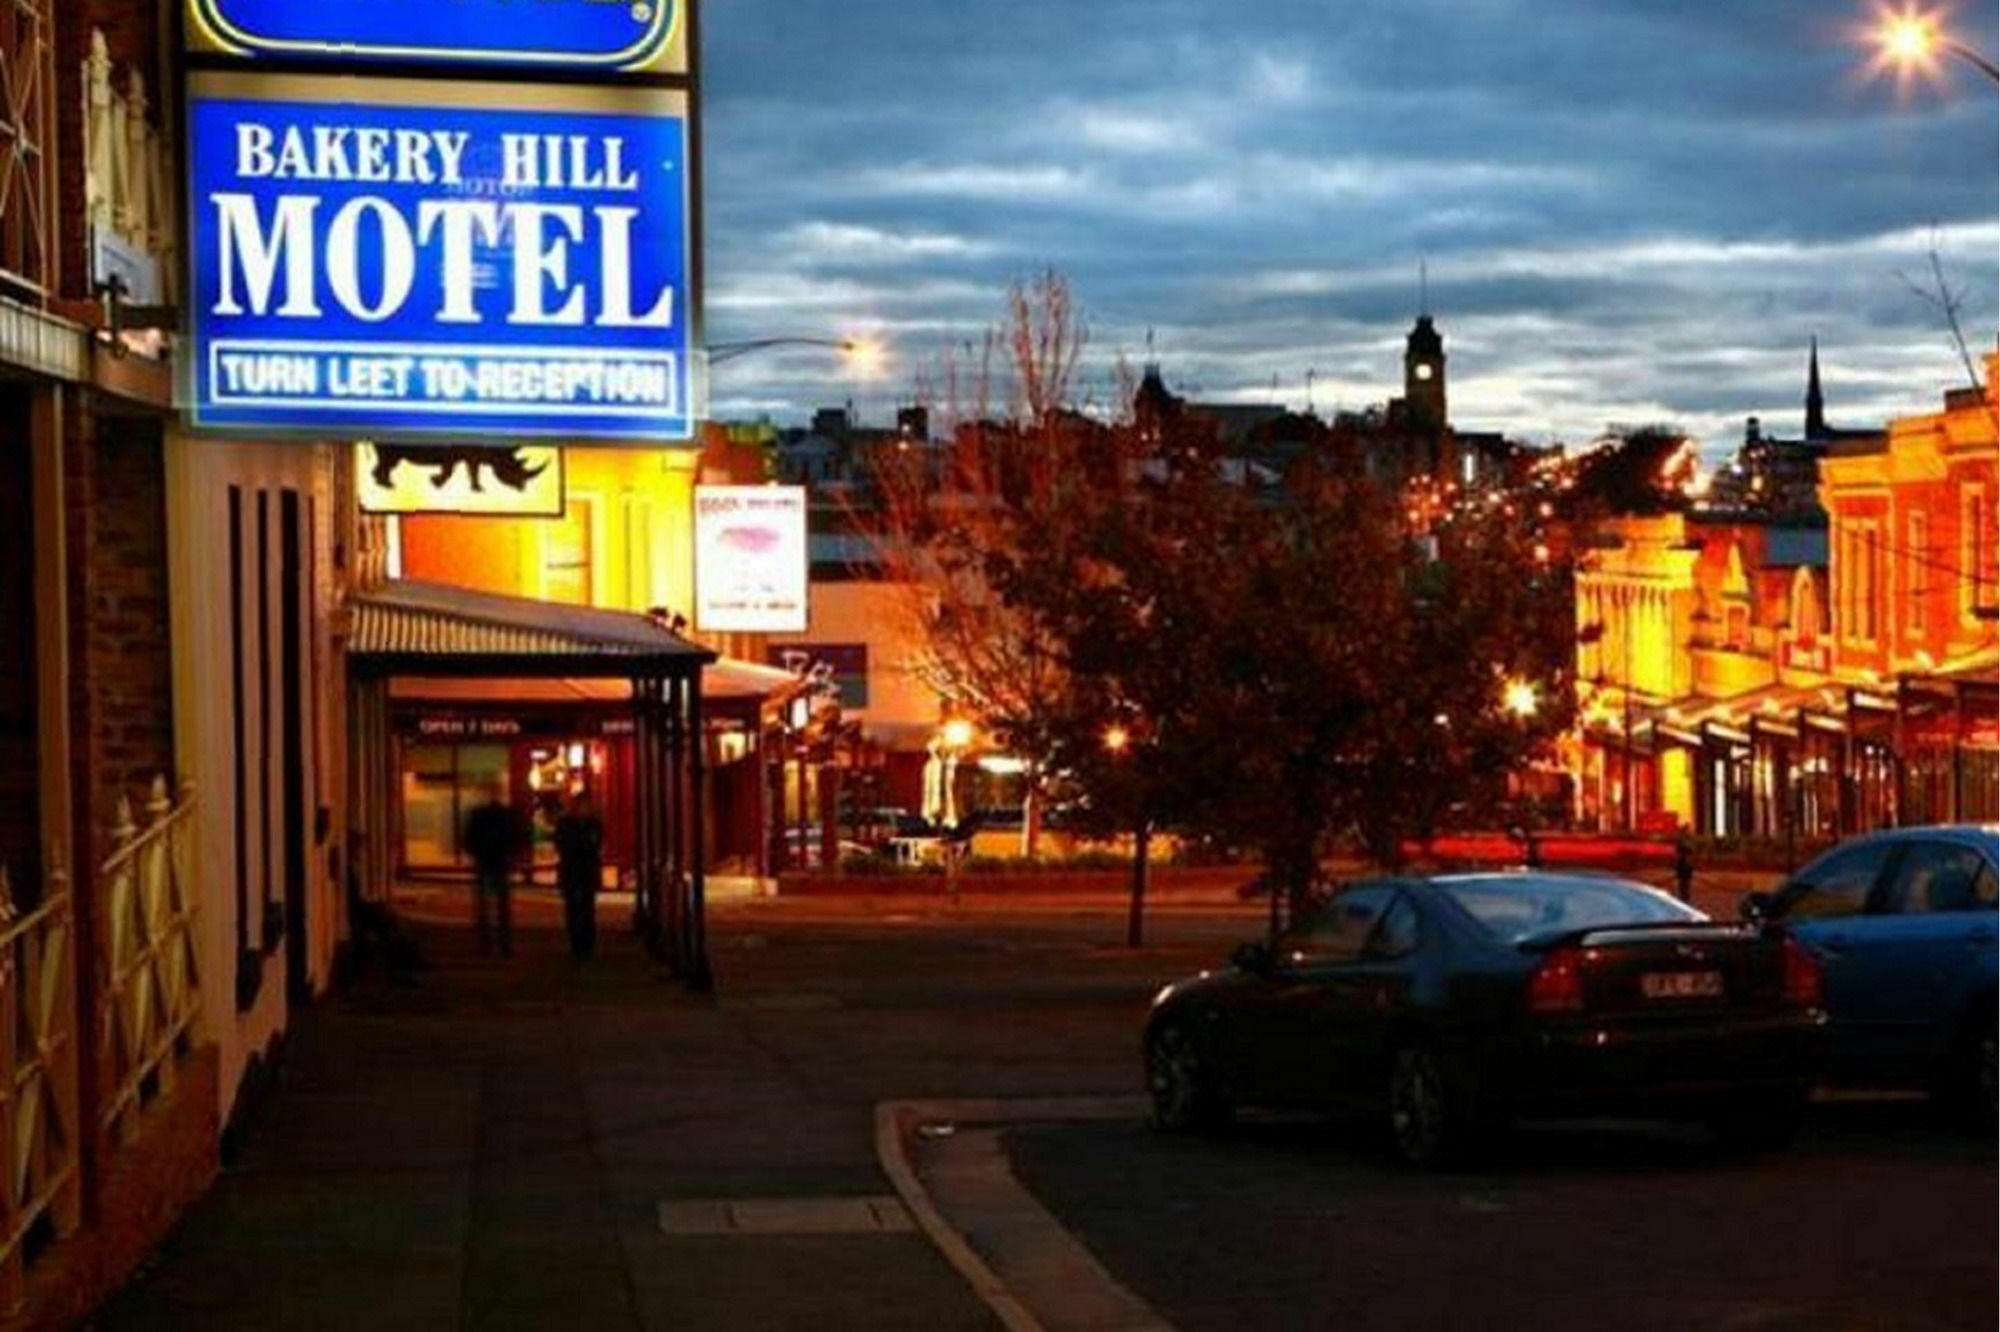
x,y
1879,1217
490,1147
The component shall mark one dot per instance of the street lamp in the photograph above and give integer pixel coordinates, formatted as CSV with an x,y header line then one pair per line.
x,y
1910,40
864,354
1117,741
1519,698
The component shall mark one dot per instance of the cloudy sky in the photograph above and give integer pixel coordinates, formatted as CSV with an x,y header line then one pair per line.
x,y
1631,210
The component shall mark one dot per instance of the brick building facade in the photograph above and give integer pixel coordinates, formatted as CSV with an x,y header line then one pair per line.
x,y
1742,674
115,1110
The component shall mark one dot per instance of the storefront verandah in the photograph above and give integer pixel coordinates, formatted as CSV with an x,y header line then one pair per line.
x,y
1817,762
403,631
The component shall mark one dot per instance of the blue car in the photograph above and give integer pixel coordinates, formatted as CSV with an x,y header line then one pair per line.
x,y
1902,924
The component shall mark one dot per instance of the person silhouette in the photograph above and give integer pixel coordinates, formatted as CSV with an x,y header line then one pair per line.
x,y
495,836
579,840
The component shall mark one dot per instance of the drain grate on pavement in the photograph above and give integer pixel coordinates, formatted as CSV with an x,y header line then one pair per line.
x,y
785,1216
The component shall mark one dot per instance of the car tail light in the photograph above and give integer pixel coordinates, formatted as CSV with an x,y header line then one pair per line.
x,y
1557,985
1802,980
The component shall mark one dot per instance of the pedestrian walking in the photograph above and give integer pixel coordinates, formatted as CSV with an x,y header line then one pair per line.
x,y
495,835
1684,866
580,871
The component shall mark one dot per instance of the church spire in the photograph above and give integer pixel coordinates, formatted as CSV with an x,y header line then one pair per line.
x,y
1815,400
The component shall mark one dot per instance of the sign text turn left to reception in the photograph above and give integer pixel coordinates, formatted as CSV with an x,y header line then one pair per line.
x,y
376,267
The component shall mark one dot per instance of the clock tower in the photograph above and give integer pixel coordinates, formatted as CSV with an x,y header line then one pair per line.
x,y
1423,374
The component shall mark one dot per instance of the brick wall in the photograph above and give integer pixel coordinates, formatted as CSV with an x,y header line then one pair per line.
x,y
121,676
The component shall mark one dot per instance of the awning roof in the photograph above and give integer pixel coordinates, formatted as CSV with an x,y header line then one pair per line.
x,y
723,679
410,628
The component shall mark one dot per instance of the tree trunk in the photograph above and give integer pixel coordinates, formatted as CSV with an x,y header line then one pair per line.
x,y
1135,924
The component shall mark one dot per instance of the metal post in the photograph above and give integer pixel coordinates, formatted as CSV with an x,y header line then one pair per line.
x,y
673,760
700,977
1135,924
645,808
1626,611
1958,736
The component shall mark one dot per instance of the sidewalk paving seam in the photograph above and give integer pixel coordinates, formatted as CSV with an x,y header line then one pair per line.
x,y
1039,1307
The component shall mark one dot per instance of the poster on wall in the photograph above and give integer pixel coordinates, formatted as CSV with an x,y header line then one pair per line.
x,y
750,559
405,259
523,482
626,36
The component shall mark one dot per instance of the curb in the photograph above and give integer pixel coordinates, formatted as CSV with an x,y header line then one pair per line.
x,y
895,1124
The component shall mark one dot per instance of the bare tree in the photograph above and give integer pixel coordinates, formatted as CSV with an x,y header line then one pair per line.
x,y
1949,301
944,515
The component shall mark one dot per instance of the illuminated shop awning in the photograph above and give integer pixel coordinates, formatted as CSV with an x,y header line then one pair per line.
x,y
427,629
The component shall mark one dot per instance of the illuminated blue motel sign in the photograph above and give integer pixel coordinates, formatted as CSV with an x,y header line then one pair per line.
x,y
395,258
575,34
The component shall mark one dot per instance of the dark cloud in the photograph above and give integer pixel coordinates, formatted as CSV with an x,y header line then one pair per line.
x,y
1631,209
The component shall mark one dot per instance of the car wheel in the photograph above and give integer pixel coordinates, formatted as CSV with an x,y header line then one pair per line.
x,y
1758,1122
1182,1086
1427,1123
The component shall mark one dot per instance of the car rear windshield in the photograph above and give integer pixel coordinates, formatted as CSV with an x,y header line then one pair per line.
x,y
1516,909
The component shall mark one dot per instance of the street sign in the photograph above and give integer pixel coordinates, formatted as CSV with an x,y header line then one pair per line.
x,y
401,259
614,35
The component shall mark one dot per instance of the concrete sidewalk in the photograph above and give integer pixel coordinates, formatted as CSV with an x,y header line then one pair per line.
x,y
492,1147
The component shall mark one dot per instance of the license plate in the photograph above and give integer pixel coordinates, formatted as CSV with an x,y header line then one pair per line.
x,y
1681,984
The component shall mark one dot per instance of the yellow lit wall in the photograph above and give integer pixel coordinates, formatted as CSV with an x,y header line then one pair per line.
x,y
1677,783
1635,603
634,508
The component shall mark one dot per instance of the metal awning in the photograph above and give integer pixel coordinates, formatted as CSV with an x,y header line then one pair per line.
x,y
411,628
724,680
514,645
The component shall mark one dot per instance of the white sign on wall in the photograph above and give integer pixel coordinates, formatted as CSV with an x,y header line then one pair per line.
x,y
750,559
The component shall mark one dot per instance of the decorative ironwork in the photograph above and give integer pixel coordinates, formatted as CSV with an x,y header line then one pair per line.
x,y
128,182
27,125
152,1003
40,1196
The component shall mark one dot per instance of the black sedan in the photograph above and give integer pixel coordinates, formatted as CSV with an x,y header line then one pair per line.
x,y
1450,1005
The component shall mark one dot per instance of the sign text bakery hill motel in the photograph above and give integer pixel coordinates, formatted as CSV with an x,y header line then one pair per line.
x,y
468,257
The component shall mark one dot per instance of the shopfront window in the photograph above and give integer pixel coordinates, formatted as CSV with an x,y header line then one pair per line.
x,y
442,785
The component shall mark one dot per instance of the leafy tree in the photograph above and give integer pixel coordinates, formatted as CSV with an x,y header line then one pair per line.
x,y
1290,664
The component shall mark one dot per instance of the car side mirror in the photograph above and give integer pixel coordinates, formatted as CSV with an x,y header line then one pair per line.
x,y
1253,957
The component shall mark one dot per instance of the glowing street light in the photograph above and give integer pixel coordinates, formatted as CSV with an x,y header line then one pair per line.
x,y
1913,41
866,357
1519,698
957,734
1116,739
